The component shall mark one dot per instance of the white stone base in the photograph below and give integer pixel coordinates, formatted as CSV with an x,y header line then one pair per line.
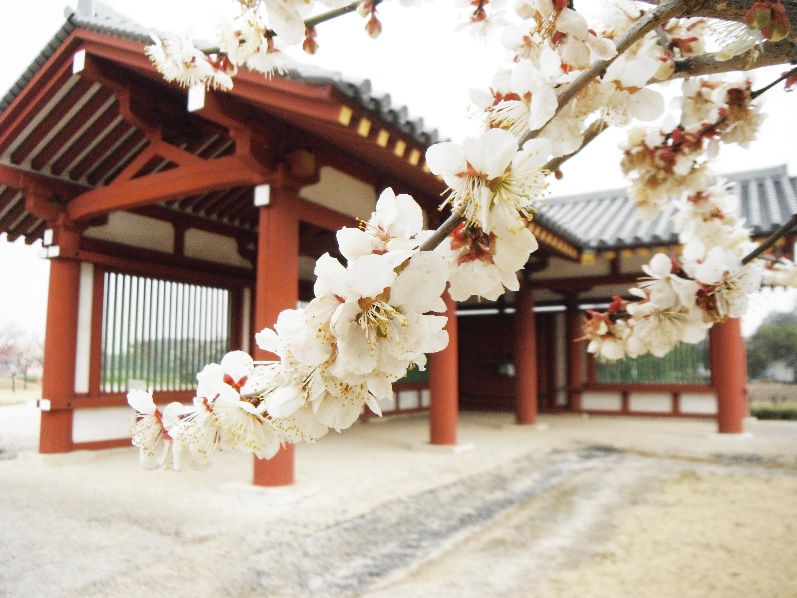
x,y
271,494
451,449
525,427
730,436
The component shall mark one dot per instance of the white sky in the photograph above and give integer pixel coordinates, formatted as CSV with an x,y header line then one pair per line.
x,y
418,60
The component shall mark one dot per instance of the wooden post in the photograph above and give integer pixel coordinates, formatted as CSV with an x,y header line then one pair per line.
x,y
525,353
574,355
444,384
728,356
276,289
60,346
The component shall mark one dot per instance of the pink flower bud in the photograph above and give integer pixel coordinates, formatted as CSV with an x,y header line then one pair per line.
x,y
373,27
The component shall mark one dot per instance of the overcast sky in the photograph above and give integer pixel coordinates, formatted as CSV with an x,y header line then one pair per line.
x,y
419,60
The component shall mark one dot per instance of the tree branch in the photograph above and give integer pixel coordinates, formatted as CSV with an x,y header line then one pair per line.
x,y
595,129
665,11
335,13
771,240
782,52
442,232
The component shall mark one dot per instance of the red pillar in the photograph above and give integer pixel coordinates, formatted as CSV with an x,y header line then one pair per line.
x,y
728,356
575,355
444,384
276,289
525,353
60,347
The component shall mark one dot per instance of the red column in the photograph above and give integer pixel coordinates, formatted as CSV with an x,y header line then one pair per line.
x,y
728,356
525,353
575,355
276,289
444,384
60,347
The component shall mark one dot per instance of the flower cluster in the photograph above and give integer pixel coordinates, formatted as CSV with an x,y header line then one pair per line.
x,y
178,60
662,164
367,324
493,186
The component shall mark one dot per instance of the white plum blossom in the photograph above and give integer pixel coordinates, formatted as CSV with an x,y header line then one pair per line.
x,y
178,60
491,183
483,264
151,432
396,224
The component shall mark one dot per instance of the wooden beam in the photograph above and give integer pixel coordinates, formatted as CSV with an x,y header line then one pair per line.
x,y
19,178
172,184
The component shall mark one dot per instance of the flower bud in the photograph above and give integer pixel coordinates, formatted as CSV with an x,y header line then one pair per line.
x,y
373,27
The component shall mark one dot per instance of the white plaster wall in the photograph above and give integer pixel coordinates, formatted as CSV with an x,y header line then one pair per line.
x,y
83,348
562,268
213,247
602,401
699,402
408,399
426,398
110,423
653,402
342,193
135,230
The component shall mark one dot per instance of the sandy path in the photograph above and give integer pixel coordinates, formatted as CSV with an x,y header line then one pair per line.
x,y
588,507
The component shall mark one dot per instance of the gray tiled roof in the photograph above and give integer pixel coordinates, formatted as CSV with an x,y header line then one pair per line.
x,y
607,219
110,22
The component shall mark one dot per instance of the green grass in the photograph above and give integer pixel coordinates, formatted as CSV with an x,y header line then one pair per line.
x,y
774,411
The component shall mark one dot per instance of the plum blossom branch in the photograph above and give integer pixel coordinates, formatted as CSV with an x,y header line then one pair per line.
x,y
771,240
649,22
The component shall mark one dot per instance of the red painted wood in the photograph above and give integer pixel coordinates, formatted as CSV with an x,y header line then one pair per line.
x,y
95,351
728,357
43,88
177,269
706,388
70,129
444,384
525,353
108,140
277,289
94,131
102,444
116,160
45,127
60,342
164,186
575,355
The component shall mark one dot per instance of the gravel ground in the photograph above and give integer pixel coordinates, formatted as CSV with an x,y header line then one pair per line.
x,y
586,507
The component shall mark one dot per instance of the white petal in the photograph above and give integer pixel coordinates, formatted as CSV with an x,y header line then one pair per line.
x,y
354,243
491,153
141,401
371,274
420,286
284,18
446,159
268,340
284,401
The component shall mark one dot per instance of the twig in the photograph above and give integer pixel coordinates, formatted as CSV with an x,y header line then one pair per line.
x,y
766,88
335,13
595,129
442,232
771,240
